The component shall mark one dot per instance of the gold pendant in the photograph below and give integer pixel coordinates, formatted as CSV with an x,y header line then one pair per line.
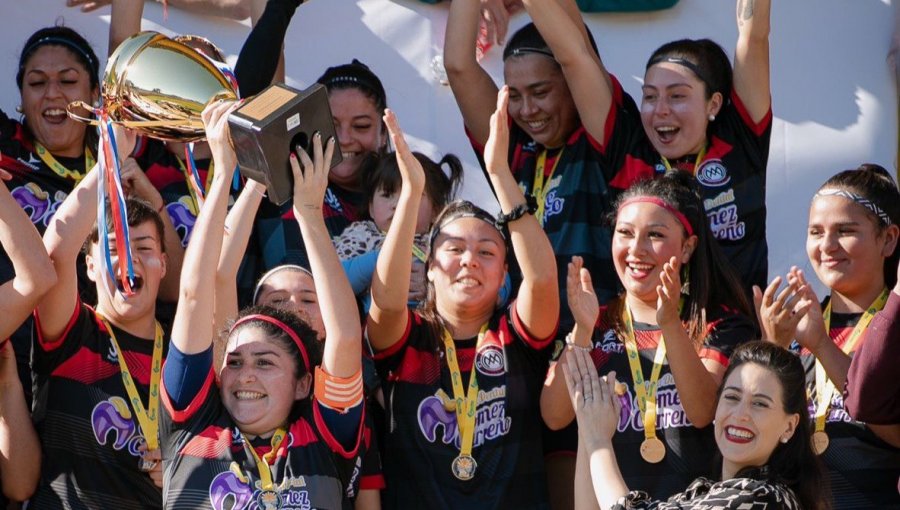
x,y
653,450
820,442
463,467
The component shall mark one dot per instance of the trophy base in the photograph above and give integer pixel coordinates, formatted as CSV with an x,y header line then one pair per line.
x,y
267,127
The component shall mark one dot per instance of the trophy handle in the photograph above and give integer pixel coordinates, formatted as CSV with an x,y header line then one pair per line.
x,y
73,115
131,124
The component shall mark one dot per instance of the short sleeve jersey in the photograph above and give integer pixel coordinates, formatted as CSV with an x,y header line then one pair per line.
x,y
862,469
731,177
423,438
89,434
279,235
579,196
209,465
688,449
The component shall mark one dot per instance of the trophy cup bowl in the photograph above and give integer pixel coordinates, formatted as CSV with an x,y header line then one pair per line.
x,y
159,86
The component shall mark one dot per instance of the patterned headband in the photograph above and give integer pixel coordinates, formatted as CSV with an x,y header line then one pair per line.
x,y
865,202
282,326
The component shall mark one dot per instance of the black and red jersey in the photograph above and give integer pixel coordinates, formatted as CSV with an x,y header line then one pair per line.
x,y
862,469
731,177
580,188
89,435
208,465
689,450
39,191
423,437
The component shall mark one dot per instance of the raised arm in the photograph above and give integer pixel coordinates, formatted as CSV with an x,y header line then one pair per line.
x,y
588,80
388,314
751,57
472,86
238,227
20,451
193,330
597,407
696,380
261,60
232,9
537,302
343,334
556,407
34,273
124,21
63,239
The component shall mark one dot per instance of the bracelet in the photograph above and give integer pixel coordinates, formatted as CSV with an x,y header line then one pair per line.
x,y
529,207
570,342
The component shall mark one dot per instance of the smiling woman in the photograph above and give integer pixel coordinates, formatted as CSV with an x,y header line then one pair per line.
x,y
45,152
762,434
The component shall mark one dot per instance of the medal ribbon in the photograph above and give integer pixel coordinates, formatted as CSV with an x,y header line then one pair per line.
x,y
700,156
109,188
148,417
646,390
61,169
418,253
823,382
262,464
465,402
192,176
542,182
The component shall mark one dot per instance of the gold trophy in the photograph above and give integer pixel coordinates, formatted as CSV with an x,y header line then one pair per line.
x,y
159,87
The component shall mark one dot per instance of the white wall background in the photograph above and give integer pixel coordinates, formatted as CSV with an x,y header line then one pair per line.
x,y
834,99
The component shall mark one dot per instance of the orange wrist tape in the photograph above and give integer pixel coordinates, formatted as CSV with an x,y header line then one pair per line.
x,y
338,393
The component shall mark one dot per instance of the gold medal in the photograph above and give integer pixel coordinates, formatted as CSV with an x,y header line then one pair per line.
x,y
463,467
268,500
820,442
653,450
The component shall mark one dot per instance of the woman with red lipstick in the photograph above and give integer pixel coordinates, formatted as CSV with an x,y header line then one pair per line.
x,y
852,245
697,115
461,374
761,430
679,319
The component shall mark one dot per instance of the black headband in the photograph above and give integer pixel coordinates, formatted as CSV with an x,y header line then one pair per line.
x,y
52,39
525,50
684,63
474,213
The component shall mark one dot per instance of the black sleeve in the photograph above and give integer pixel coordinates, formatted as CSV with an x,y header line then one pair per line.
x,y
258,59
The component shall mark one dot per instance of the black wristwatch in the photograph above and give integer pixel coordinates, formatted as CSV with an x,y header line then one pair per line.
x,y
529,207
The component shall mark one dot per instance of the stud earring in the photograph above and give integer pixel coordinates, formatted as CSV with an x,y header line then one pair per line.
x,y
712,117
784,440
19,108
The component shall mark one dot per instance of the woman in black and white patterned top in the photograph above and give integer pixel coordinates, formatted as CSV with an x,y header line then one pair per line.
x,y
761,429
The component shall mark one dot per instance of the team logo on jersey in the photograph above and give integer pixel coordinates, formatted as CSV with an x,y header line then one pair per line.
x,y
669,410
437,417
553,204
113,425
490,361
713,173
230,491
660,168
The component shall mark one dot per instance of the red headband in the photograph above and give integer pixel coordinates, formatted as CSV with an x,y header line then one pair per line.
x,y
665,205
282,326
